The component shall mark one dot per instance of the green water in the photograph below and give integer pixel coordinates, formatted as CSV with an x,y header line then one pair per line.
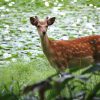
x,y
19,39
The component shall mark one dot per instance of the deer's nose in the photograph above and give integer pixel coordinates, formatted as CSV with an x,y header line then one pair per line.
x,y
44,33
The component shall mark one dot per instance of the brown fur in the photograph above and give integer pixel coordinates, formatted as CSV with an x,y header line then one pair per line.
x,y
66,52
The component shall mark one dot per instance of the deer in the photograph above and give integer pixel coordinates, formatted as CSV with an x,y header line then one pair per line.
x,y
63,54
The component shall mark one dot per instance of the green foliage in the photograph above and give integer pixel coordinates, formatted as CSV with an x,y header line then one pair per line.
x,y
88,2
68,87
18,40
77,85
15,76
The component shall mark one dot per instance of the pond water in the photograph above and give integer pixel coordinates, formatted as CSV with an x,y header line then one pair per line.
x,y
20,40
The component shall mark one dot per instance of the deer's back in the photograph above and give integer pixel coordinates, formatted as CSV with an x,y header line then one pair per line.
x,y
73,52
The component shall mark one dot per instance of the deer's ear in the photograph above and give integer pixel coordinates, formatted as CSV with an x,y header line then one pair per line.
x,y
33,21
51,21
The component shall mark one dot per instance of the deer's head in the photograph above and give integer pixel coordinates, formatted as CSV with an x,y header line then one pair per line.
x,y
42,26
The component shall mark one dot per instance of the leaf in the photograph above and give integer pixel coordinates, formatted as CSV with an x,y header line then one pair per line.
x,y
92,69
84,78
93,93
81,95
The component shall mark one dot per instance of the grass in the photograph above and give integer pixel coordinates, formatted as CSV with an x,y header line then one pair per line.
x,y
15,76
24,73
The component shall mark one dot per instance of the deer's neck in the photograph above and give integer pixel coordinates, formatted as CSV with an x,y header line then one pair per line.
x,y
45,42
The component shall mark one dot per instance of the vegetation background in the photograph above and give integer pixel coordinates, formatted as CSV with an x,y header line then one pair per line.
x,y
22,61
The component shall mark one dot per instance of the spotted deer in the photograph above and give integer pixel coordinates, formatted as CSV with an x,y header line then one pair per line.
x,y
67,53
